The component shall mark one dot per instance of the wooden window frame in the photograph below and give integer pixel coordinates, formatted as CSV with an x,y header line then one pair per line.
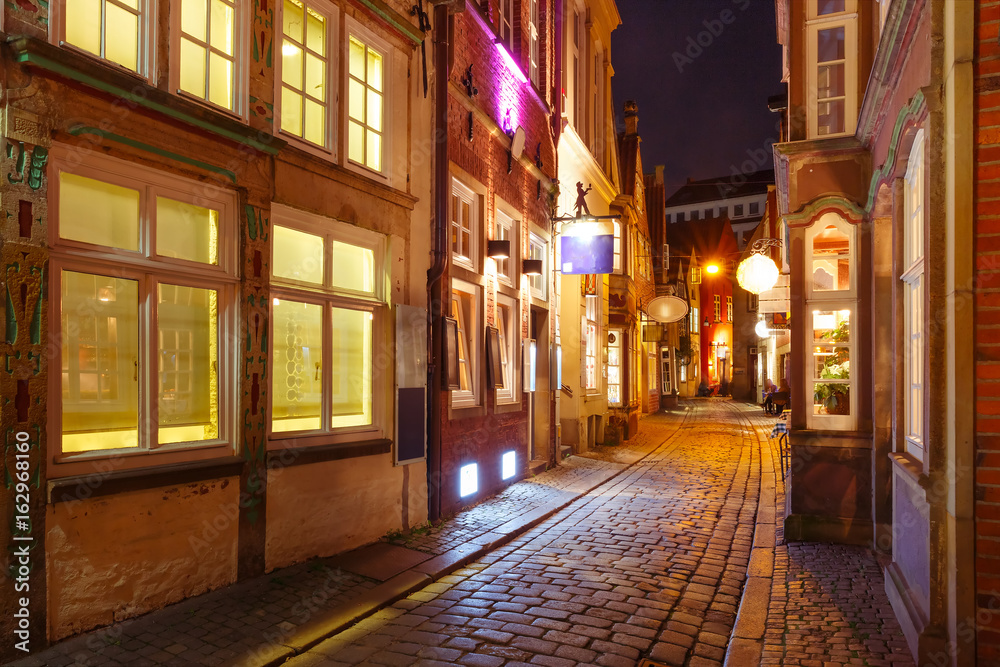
x,y
147,36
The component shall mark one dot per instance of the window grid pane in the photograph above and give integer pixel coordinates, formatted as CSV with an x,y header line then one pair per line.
x,y
365,85
297,366
208,48
90,23
304,73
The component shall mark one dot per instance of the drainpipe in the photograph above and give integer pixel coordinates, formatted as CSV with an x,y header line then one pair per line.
x,y
435,275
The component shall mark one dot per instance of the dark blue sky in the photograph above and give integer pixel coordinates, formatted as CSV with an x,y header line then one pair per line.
x,y
701,72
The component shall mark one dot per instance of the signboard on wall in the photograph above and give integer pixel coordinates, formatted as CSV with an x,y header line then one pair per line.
x,y
587,246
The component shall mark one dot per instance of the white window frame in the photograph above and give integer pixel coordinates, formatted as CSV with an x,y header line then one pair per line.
x,y
329,297
832,422
328,149
473,333
729,309
505,24
147,36
695,323
538,248
465,194
914,302
510,337
241,57
506,227
718,307
149,270
619,249
849,21
375,43
824,221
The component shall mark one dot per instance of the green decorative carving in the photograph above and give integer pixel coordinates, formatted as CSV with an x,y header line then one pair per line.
x,y
32,172
256,223
11,328
906,114
35,328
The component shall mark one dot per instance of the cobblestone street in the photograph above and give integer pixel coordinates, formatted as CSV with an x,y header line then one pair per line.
x,y
650,565
668,548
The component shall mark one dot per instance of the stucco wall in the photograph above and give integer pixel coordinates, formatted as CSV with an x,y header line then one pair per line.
x,y
115,557
320,509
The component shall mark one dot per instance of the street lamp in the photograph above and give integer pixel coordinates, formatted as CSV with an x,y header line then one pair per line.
x,y
758,272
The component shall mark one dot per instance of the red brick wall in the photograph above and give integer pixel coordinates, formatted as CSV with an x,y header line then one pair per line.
x,y
987,333
482,435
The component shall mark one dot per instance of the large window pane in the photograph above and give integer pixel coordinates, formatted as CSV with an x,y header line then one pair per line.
x,y
222,27
98,212
100,361
831,263
831,362
188,357
830,44
194,18
297,255
186,231
193,65
297,366
292,20
351,399
122,36
220,77
83,24
353,267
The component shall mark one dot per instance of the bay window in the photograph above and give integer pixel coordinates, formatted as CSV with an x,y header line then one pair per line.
x,y
831,305
326,312
615,367
144,273
832,48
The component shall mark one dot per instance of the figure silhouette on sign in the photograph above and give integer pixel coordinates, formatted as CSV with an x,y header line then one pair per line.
x,y
581,199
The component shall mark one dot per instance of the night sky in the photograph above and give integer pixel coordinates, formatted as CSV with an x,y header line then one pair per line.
x,y
701,108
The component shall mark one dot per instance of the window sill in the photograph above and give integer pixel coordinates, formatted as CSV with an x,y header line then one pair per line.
x,y
70,65
121,481
909,466
295,455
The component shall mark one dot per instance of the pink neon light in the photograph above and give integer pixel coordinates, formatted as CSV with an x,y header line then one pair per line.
x,y
511,64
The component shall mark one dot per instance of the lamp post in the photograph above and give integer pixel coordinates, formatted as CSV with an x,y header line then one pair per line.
x,y
758,272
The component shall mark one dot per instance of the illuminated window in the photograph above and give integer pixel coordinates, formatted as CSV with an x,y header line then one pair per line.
x,y
508,465
464,225
208,44
146,289
617,247
508,324
831,362
505,226
306,64
465,309
533,41
695,322
729,309
830,263
831,47
615,367
913,298
591,332
718,308
325,309
367,64
538,249
468,477
115,30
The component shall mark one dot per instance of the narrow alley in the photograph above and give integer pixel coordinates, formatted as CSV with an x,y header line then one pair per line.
x,y
668,548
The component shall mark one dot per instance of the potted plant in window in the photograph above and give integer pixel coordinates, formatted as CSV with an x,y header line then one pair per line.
x,y
834,397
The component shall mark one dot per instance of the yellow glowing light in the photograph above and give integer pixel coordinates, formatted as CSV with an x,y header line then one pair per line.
x,y
712,268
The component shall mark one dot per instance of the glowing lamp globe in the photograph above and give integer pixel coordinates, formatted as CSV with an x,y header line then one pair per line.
x,y
757,273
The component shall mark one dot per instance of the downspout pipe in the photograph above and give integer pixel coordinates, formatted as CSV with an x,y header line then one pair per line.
x,y
435,274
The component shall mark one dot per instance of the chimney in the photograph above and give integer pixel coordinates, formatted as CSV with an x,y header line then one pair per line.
x,y
631,117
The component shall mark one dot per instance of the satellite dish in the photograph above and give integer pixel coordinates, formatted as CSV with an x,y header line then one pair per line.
x,y
517,144
667,308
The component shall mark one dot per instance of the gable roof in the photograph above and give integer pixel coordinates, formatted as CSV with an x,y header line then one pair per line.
x,y
722,188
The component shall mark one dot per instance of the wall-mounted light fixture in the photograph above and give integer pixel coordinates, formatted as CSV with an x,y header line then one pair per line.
x,y
707,323
531,267
498,249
